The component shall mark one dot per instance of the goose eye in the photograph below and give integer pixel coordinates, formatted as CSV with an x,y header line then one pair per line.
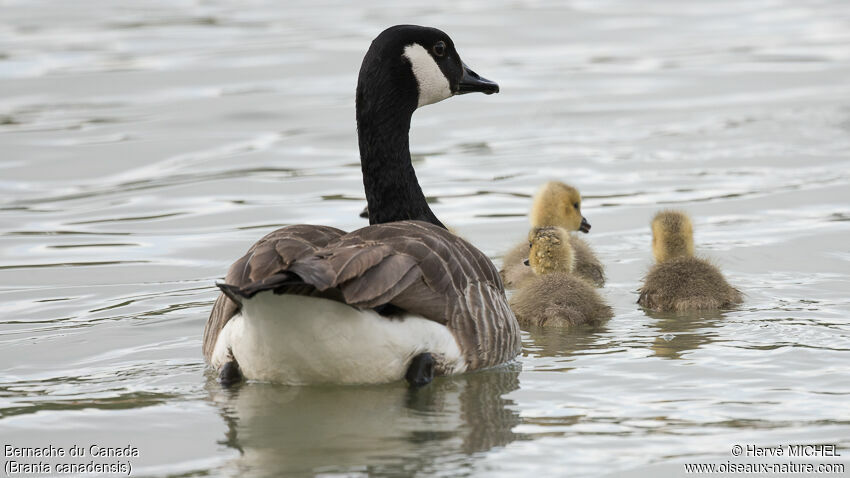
x,y
439,48
576,205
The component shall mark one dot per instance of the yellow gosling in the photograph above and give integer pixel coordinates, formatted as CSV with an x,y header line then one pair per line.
x,y
558,204
680,281
555,204
554,296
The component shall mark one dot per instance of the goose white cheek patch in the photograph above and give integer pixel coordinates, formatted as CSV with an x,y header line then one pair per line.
x,y
433,85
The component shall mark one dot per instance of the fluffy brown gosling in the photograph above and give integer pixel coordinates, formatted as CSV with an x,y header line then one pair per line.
x,y
554,296
680,281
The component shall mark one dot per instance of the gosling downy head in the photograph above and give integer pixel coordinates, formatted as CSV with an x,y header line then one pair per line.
x,y
672,235
550,250
558,204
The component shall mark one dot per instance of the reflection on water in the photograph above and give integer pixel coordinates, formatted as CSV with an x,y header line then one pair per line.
x,y
681,332
563,342
382,430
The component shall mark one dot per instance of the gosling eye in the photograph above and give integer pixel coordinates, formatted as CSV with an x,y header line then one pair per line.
x,y
576,205
439,48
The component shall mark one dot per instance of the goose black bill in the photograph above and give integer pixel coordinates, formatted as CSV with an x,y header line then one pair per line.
x,y
471,82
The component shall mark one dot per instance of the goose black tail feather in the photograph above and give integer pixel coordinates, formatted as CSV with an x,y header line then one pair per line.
x,y
276,282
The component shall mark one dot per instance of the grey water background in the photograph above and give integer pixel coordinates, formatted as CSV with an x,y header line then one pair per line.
x,y
145,145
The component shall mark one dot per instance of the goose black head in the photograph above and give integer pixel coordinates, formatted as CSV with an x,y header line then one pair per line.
x,y
419,66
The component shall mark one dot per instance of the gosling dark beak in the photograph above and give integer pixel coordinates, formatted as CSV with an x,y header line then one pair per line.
x,y
471,83
526,262
585,226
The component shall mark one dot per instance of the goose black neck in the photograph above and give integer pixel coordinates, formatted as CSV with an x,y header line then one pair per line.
x,y
387,96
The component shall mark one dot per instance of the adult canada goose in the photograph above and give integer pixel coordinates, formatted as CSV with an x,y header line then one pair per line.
x,y
555,204
679,281
400,298
554,296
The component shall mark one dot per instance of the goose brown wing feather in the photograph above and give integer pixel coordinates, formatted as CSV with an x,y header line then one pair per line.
x,y
380,284
339,263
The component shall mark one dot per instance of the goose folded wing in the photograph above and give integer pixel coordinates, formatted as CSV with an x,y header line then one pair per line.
x,y
411,264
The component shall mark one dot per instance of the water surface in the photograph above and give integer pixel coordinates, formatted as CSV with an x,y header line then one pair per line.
x,y
146,145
